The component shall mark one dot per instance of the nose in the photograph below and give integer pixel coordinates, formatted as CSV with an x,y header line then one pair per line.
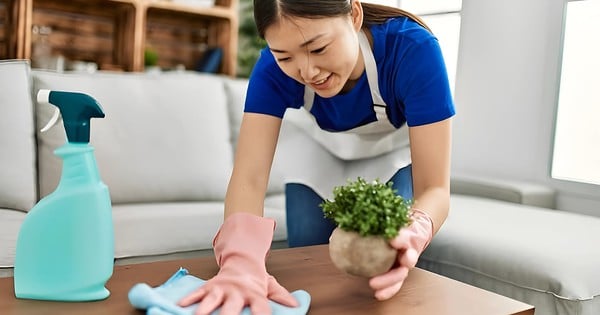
x,y
308,69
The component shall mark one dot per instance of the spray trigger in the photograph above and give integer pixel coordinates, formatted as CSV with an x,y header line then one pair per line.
x,y
52,121
43,96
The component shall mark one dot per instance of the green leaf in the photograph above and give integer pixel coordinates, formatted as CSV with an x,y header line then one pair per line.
x,y
369,208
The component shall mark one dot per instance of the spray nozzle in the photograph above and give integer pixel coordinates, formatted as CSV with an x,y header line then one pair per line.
x,y
76,110
52,121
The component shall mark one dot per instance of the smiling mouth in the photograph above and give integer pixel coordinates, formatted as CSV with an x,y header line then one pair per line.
x,y
321,81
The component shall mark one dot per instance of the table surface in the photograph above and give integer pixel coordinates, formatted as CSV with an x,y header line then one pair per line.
x,y
308,268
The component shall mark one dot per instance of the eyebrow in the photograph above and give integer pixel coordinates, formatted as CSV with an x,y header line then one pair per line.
x,y
306,43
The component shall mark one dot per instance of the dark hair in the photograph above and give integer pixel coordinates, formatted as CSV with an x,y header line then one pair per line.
x,y
267,12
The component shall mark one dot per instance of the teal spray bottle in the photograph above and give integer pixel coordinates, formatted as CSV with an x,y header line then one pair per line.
x,y
65,247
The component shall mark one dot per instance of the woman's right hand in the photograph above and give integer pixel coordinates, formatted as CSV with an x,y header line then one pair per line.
x,y
241,247
410,242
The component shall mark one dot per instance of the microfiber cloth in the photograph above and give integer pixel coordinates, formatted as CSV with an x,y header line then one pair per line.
x,y
162,300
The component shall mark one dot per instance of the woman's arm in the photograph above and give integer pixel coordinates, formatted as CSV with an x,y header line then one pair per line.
x,y
253,158
430,151
245,237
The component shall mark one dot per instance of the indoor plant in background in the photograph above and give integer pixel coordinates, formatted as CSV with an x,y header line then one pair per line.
x,y
151,60
249,42
367,215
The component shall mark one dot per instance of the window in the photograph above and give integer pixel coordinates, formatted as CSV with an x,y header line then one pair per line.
x,y
443,17
427,7
446,27
576,155
391,3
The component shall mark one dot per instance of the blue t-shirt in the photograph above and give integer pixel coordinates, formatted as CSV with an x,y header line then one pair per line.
x,y
413,82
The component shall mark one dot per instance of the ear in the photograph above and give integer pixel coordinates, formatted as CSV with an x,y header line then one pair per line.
x,y
357,15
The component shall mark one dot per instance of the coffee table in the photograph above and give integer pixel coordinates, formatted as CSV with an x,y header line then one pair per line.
x,y
308,268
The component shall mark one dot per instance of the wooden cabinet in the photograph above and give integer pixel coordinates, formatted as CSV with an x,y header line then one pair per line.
x,y
114,34
12,20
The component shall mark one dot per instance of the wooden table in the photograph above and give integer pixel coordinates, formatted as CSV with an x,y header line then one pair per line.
x,y
307,268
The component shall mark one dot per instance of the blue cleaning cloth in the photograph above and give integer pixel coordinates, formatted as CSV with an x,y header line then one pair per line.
x,y
162,300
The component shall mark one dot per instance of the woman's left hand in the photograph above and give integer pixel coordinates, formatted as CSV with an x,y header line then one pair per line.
x,y
410,243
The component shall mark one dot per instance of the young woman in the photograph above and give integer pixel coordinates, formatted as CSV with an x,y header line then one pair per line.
x,y
374,79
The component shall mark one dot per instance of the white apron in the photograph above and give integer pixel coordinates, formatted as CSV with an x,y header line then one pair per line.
x,y
375,150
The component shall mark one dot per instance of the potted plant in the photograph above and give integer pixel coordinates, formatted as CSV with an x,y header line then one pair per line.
x,y
249,42
367,215
150,60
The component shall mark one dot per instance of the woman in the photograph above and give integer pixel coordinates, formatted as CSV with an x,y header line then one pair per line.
x,y
360,69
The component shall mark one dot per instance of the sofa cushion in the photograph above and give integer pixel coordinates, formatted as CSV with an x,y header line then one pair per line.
x,y
275,208
236,92
236,98
511,249
11,223
18,175
165,136
166,228
515,191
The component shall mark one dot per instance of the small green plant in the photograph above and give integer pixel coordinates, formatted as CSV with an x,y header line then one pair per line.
x,y
249,42
150,57
368,208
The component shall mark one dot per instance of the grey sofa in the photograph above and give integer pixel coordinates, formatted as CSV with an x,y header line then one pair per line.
x,y
165,150
504,237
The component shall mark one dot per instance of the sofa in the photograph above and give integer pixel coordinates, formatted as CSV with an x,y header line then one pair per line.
x,y
503,236
165,151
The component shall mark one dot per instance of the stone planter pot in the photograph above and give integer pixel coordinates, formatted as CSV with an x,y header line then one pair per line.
x,y
364,256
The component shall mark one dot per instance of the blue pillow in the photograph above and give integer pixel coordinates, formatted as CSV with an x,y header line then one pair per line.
x,y
211,60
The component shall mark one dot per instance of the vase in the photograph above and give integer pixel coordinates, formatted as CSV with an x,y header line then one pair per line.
x,y
363,256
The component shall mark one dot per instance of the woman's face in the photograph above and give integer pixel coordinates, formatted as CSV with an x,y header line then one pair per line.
x,y
321,53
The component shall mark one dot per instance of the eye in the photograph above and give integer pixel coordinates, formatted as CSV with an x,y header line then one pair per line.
x,y
318,51
283,59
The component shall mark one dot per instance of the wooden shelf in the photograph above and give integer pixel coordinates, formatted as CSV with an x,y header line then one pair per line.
x,y
115,33
12,19
88,31
215,11
4,31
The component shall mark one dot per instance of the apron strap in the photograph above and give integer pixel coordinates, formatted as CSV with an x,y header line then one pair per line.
x,y
371,69
309,98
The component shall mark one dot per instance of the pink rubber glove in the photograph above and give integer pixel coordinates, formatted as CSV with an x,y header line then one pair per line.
x,y
410,243
241,247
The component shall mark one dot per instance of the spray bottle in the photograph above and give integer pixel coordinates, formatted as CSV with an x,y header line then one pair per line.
x,y
65,247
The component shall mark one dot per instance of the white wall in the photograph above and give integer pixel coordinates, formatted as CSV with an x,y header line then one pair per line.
x,y
506,91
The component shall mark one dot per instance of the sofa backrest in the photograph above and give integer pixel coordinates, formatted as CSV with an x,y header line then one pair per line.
x,y
18,175
165,136
236,92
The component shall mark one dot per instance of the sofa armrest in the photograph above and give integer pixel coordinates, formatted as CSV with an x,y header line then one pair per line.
x,y
521,192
